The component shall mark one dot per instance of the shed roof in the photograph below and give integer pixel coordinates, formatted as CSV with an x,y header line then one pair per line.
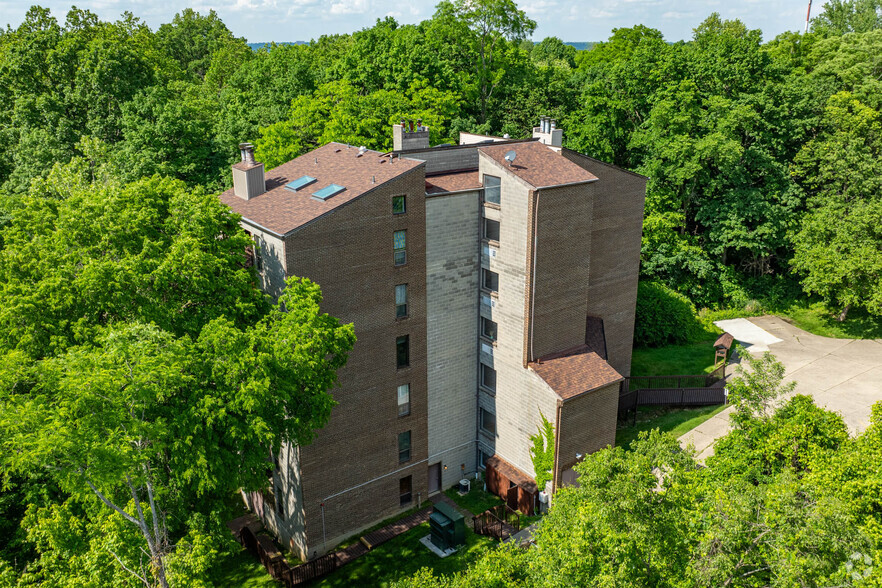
x,y
281,210
513,473
724,341
575,371
537,164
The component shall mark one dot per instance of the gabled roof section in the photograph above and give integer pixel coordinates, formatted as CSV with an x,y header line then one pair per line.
x,y
576,371
538,165
281,210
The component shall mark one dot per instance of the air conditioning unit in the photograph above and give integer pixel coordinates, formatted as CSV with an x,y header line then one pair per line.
x,y
465,485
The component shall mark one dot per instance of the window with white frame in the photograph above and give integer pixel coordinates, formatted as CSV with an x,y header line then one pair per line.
x,y
492,189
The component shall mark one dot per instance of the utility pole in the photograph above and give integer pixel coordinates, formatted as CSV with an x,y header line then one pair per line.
x,y
807,15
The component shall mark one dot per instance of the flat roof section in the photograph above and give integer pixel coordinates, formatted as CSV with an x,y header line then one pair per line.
x,y
538,165
462,181
281,210
575,371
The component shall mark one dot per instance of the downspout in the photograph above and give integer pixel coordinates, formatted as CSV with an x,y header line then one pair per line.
x,y
554,480
533,285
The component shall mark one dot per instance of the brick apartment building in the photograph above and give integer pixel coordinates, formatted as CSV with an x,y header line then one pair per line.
x,y
487,281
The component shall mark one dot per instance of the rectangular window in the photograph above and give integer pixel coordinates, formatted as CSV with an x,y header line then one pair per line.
x,y
490,280
399,247
491,229
492,189
404,400
488,377
488,329
398,205
404,447
402,351
488,422
405,490
401,301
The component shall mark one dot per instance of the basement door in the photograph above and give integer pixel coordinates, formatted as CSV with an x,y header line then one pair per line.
x,y
434,478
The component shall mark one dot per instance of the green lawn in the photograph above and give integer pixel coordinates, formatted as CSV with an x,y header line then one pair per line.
x,y
691,359
670,420
242,570
820,320
404,556
476,501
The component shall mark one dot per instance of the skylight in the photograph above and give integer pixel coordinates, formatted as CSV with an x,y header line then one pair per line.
x,y
328,191
300,183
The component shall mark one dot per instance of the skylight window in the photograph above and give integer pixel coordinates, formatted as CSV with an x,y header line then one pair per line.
x,y
300,183
328,191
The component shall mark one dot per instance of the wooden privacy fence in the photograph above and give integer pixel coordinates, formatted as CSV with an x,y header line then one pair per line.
x,y
279,568
500,522
672,391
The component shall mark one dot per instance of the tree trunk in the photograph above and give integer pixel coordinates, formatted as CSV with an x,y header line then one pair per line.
x,y
843,314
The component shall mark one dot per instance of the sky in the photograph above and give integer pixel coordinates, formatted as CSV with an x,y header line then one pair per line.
x,y
570,20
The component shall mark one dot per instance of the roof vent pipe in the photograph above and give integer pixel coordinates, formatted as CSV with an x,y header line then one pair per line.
x,y
247,152
361,150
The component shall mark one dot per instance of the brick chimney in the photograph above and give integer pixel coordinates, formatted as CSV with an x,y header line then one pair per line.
x,y
408,135
249,180
548,133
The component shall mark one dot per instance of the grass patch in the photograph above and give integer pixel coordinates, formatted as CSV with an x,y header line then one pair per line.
x,y
242,569
476,501
818,319
676,421
402,557
691,359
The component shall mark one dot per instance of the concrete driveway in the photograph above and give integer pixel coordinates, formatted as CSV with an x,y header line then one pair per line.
x,y
843,375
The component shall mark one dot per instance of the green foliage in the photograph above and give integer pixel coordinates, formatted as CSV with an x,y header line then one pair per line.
x,y
787,500
664,317
842,261
542,452
757,389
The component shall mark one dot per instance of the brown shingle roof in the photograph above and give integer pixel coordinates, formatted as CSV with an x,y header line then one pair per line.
x,y
575,371
453,182
537,164
281,211
724,341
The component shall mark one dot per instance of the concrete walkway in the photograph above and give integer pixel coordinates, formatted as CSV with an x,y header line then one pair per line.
x,y
843,375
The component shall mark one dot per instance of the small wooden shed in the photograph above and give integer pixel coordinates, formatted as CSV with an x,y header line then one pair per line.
x,y
722,346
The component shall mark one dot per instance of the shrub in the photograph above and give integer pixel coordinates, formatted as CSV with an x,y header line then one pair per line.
x,y
664,317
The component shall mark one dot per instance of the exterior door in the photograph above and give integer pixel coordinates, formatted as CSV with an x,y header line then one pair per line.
x,y
434,477
512,497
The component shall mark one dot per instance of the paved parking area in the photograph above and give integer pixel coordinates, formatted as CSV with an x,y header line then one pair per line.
x,y
843,375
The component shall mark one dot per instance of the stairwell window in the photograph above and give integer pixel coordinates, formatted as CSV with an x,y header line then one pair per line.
x,y
404,400
491,229
399,247
488,422
492,189
488,329
488,377
404,447
401,301
489,280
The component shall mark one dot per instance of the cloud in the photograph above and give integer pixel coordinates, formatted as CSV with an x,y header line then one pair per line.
x,y
340,7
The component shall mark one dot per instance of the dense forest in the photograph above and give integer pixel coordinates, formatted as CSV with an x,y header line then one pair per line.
x,y
141,371
750,146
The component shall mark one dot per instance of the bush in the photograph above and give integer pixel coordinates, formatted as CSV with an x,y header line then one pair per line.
x,y
664,317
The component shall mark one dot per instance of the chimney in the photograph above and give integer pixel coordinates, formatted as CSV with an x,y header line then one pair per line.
x,y
548,133
405,136
249,180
